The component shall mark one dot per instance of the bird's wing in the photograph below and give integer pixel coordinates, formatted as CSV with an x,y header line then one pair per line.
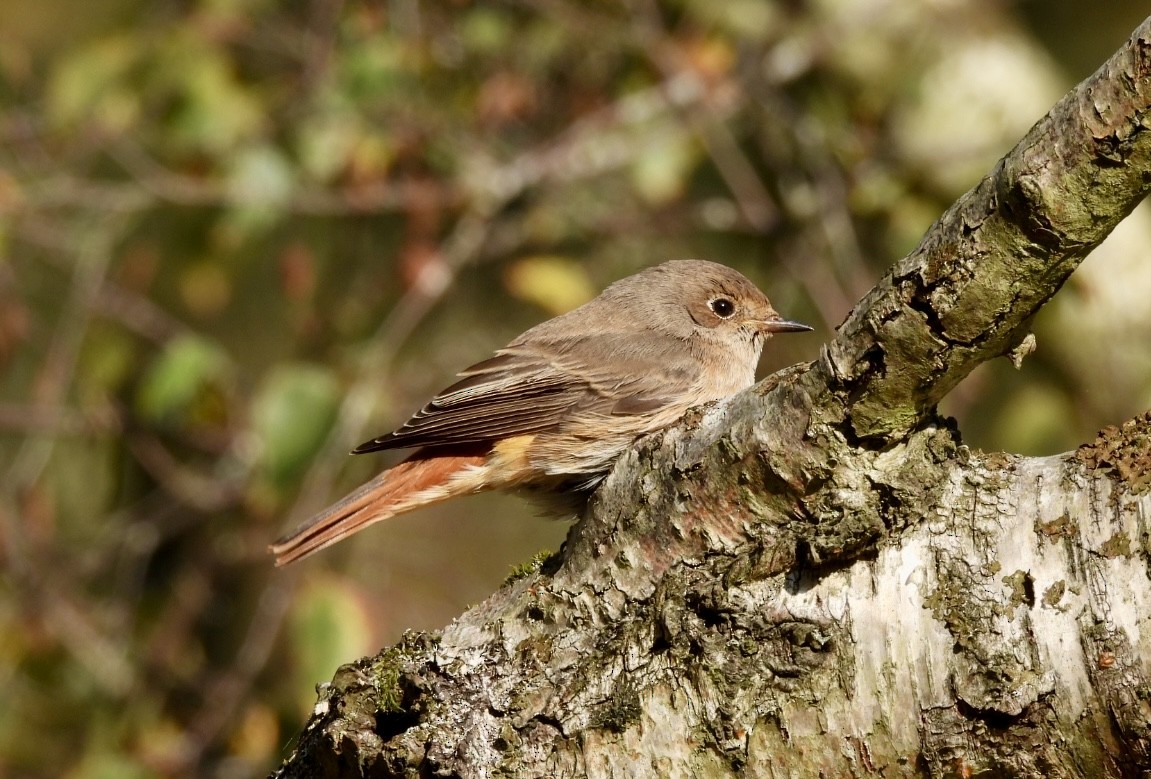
x,y
523,391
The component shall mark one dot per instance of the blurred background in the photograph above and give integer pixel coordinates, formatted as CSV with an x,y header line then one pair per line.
x,y
238,237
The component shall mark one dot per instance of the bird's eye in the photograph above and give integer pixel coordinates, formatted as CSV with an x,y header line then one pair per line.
x,y
722,307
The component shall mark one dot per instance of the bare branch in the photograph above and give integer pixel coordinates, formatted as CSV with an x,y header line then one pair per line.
x,y
988,265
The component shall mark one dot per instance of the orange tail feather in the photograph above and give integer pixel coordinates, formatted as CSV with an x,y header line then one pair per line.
x,y
421,480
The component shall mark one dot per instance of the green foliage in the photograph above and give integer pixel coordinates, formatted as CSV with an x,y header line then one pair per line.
x,y
185,385
89,86
532,566
555,284
292,413
662,169
107,362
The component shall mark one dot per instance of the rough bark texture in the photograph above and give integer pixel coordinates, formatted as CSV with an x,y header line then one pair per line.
x,y
816,578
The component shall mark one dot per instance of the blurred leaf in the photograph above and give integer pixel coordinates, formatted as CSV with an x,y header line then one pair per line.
x,y
661,169
712,58
188,369
325,143
260,174
371,156
543,43
82,483
205,288
91,84
215,111
486,30
330,625
291,415
753,19
556,284
260,181
373,70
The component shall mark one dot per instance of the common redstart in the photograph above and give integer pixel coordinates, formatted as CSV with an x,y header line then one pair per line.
x,y
553,409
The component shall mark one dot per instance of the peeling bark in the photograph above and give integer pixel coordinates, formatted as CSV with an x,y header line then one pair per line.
x,y
816,577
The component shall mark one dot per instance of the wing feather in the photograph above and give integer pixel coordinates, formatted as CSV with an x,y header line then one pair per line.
x,y
525,390
508,395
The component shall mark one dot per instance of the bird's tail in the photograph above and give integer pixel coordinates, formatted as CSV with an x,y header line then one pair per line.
x,y
421,480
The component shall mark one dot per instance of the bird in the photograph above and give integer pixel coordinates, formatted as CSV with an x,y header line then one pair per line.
x,y
552,411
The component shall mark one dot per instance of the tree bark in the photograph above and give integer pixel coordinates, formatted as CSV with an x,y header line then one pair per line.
x,y
816,577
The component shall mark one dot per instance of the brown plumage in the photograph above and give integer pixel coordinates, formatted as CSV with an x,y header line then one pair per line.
x,y
554,408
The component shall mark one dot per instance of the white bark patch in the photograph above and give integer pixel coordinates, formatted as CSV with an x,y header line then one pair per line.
x,y
985,603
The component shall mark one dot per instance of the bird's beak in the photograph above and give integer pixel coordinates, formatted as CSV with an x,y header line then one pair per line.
x,y
784,326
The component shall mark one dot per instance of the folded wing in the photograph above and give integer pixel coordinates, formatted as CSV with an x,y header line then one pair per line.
x,y
522,392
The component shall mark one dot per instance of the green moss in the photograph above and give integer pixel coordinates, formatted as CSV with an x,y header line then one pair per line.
x,y
385,670
389,696
530,567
